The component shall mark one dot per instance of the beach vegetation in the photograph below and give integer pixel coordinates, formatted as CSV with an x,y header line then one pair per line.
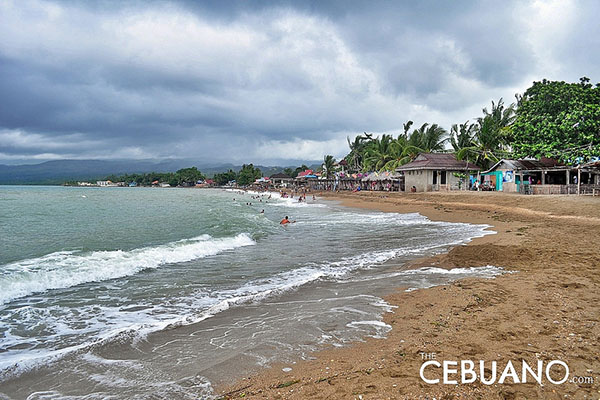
x,y
427,139
487,140
559,120
329,165
551,119
182,177
223,178
378,152
462,135
357,150
289,172
248,174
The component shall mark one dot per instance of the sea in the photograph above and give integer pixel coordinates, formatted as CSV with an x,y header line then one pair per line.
x,y
135,293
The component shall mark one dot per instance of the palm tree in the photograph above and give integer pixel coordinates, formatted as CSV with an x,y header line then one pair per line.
x,y
462,135
492,134
406,127
486,146
378,153
427,139
328,165
398,153
502,119
357,148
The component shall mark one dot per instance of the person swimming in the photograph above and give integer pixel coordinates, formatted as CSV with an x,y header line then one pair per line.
x,y
286,221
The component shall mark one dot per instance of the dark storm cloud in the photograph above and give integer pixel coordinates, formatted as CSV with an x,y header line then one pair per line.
x,y
260,80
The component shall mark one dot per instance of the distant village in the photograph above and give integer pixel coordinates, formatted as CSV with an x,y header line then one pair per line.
x,y
427,172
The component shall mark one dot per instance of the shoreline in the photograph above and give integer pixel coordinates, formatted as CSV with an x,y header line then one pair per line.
x,y
503,317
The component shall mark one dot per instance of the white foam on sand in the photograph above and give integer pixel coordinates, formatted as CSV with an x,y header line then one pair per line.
x,y
485,272
381,328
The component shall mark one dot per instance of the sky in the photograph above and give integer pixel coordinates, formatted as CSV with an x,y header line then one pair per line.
x,y
267,82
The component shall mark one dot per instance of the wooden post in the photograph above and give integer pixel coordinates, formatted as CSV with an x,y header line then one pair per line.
x,y
578,181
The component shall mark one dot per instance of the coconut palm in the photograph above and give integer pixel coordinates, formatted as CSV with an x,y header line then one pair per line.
x,y
492,132
406,127
378,153
502,119
461,136
357,149
328,165
398,153
486,146
427,139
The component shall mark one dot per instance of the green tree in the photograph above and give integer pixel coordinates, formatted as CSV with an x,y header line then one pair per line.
x,y
378,153
488,139
187,176
302,168
248,174
558,119
462,135
426,139
223,178
398,152
502,119
289,172
486,146
328,165
406,126
358,147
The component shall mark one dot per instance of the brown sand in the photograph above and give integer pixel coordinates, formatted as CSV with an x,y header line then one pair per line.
x,y
549,309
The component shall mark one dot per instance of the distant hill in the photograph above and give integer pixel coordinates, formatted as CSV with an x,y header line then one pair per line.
x,y
60,171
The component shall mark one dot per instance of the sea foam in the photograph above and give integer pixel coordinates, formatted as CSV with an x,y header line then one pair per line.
x,y
70,268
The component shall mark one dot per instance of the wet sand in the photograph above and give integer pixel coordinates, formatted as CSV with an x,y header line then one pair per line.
x,y
549,309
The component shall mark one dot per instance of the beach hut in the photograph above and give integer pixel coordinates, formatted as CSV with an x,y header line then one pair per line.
x,y
436,171
543,176
385,180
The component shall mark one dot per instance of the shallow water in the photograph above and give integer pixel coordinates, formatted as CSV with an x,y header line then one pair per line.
x,y
126,292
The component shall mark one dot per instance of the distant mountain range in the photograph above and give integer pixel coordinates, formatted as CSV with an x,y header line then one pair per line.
x,y
60,171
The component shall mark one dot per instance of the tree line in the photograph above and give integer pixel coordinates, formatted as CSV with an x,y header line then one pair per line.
x,y
183,177
246,176
551,119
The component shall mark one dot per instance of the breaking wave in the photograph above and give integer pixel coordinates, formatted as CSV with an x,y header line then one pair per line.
x,y
70,268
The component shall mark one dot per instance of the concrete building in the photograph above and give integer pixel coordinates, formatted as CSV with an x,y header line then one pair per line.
x,y
105,183
436,171
281,179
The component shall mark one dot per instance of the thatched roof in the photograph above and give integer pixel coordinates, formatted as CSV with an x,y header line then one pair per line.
x,y
381,176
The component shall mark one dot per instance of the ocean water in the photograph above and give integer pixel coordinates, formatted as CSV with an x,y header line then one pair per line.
x,y
138,292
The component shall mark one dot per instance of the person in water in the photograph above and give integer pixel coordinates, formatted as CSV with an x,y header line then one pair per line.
x,y
286,221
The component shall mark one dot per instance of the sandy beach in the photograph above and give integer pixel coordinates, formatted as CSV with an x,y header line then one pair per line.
x,y
546,309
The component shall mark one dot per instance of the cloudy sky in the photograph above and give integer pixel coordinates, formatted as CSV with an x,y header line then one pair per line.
x,y
267,81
